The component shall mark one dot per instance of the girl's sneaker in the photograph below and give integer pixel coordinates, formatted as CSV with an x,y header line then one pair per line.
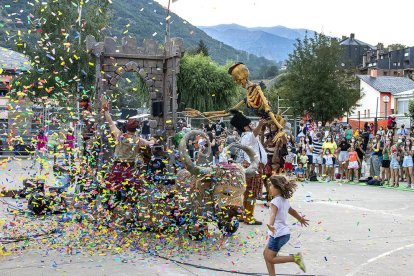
x,y
299,261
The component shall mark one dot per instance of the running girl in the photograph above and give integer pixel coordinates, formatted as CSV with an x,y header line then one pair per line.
x,y
279,233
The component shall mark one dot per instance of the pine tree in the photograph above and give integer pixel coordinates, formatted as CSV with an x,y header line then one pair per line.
x,y
202,48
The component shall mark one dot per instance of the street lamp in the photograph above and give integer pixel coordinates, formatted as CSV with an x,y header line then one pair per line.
x,y
386,100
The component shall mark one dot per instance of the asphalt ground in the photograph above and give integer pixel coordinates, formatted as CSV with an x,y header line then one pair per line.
x,y
354,230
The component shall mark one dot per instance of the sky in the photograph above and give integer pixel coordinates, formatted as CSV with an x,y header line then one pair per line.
x,y
371,21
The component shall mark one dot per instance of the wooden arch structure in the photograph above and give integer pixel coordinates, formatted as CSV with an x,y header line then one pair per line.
x,y
158,66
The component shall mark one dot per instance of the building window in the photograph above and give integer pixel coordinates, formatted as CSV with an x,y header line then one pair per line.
x,y
402,106
385,73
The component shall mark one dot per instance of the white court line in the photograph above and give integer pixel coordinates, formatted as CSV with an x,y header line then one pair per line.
x,y
383,212
379,257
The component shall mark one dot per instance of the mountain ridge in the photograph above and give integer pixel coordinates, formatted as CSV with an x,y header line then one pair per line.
x,y
140,19
275,43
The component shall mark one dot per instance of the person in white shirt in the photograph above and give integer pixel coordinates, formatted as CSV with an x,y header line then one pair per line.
x,y
279,233
250,137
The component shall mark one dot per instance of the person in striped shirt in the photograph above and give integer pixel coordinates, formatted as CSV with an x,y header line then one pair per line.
x,y
317,153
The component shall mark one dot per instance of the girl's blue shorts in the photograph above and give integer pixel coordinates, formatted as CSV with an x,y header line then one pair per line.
x,y
275,244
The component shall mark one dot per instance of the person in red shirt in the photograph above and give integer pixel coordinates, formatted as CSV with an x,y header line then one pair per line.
x,y
69,147
40,141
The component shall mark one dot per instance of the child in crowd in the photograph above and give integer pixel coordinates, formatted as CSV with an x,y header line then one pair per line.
x,y
329,162
353,164
304,159
300,172
289,160
395,166
279,234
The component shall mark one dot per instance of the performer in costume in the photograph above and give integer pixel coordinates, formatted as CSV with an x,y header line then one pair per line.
x,y
124,173
255,99
249,137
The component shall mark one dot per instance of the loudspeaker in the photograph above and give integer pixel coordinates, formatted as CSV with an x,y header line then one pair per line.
x,y
157,109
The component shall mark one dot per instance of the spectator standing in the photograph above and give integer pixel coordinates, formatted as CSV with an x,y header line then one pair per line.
x,y
220,127
304,160
412,132
343,158
381,131
210,127
190,147
214,146
385,164
233,138
408,162
391,122
53,144
329,161
145,130
376,157
365,136
354,164
317,153
331,145
348,132
395,166
361,153
289,161
40,141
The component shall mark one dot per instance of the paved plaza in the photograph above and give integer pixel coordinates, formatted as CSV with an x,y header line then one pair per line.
x,y
354,230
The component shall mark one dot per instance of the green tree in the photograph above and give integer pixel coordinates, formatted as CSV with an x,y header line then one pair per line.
x,y
411,109
131,92
315,83
272,71
55,45
204,85
396,46
202,48
262,85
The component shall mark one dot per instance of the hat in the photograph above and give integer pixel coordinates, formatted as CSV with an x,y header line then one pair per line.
x,y
84,101
239,121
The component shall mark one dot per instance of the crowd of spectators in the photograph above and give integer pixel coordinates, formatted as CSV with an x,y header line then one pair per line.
x,y
331,151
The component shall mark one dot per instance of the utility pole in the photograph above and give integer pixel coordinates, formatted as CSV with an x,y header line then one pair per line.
x,y
376,118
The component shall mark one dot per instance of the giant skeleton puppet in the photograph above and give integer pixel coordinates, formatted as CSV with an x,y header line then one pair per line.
x,y
255,99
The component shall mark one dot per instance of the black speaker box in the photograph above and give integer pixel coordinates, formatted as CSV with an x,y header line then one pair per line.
x,y
157,109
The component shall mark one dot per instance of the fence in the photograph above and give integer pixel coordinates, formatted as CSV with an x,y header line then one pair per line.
x,y
358,122
19,125
291,121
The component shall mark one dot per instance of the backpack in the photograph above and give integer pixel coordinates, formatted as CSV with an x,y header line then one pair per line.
x,y
312,177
